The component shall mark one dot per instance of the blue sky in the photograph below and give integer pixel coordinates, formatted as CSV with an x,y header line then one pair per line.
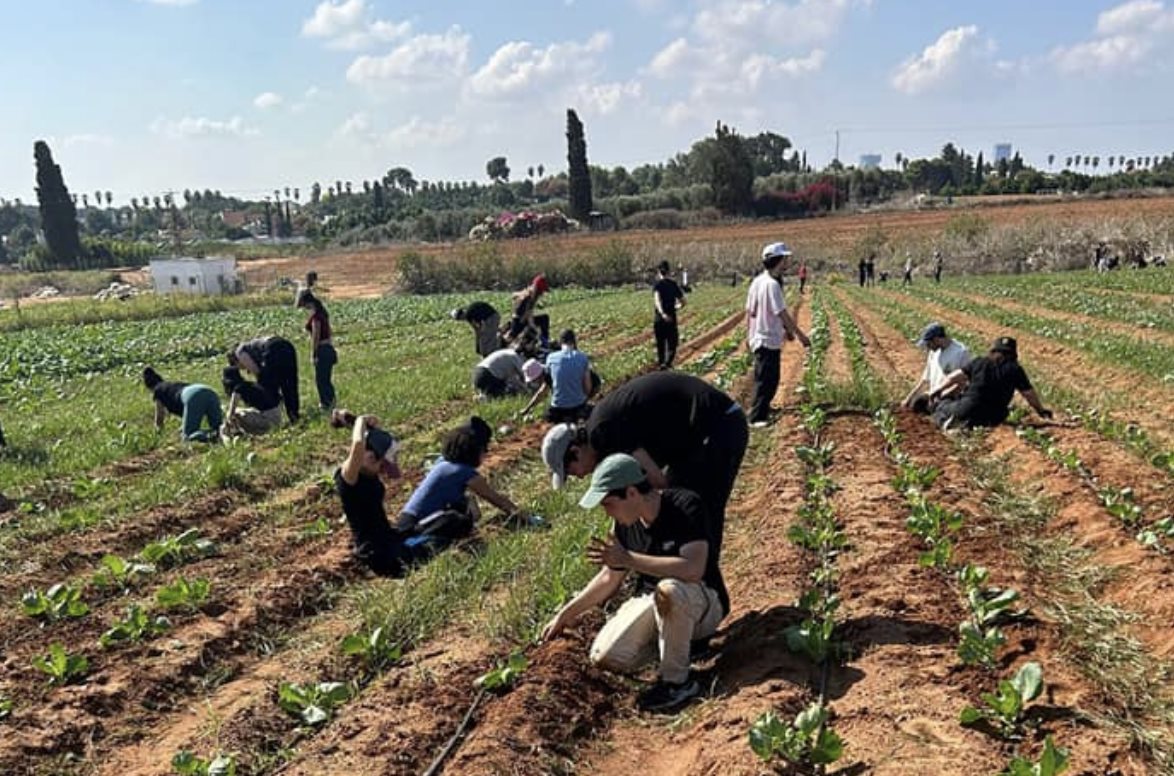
x,y
142,96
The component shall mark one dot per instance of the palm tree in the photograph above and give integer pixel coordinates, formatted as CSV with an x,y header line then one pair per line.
x,y
1096,160
85,201
297,195
348,187
134,203
109,199
1067,162
1051,158
287,192
1112,159
541,170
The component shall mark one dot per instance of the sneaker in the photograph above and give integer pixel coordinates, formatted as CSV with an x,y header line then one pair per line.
x,y
760,424
666,696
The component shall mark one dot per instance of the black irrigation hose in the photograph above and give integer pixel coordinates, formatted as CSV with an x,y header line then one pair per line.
x,y
451,746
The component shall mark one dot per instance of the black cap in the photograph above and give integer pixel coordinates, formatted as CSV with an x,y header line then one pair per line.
x,y
1006,345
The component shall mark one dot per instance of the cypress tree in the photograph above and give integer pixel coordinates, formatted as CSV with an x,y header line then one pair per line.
x,y
579,177
979,170
58,213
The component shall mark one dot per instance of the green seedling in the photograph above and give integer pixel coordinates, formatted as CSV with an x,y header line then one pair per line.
x,y
814,419
375,649
186,763
183,594
915,478
977,645
1155,536
821,486
505,675
1005,706
1119,503
6,705
939,554
136,626
174,550
319,527
313,704
812,638
57,603
118,572
819,605
1052,762
817,537
972,577
989,605
61,667
929,520
817,457
807,741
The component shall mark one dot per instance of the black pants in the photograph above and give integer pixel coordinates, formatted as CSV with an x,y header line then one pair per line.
x,y
488,383
567,414
767,367
667,339
541,322
908,280
965,413
279,374
711,475
324,362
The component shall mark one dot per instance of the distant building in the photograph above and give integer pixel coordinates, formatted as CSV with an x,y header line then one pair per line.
x,y
870,161
186,275
1002,152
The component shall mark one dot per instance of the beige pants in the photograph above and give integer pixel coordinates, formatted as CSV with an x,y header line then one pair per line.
x,y
659,623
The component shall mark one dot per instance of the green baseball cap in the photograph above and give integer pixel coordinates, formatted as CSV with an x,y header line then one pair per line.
x,y
616,471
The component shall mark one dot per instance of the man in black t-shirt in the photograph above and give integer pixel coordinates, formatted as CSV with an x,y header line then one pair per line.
x,y
991,382
668,298
664,536
682,430
486,322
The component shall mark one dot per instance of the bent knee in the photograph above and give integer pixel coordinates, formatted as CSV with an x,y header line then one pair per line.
x,y
669,595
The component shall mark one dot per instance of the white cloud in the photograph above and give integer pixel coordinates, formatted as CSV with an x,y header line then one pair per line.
x,y
759,66
518,68
189,126
422,61
755,24
938,62
1127,36
606,98
349,25
669,60
424,134
356,125
266,100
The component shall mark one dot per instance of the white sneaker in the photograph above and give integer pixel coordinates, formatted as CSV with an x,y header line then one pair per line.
x,y
760,424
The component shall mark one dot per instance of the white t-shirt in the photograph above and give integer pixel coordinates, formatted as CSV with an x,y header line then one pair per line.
x,y
505,364
939,363
764,302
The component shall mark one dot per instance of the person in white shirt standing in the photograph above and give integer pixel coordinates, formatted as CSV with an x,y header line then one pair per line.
x,y
767,325
943,356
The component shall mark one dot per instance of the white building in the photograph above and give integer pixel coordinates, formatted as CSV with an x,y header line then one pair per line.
x,y
216,275
870,161
1002,151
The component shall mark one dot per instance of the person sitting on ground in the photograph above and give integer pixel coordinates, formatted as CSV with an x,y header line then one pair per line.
x,y
945,355
500,374
439,511
662,535
373,453
274,362
524,319
568,376
991,382
252,409
486,321
193,402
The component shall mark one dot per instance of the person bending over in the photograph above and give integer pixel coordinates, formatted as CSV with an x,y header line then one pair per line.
x,y
991,382
944,355
193,402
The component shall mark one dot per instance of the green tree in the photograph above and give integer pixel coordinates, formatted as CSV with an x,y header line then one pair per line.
x,y
578,175
723,163
58,213
768,153
498,169
979,170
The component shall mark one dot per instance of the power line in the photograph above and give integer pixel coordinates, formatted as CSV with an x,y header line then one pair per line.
x,y
1011,127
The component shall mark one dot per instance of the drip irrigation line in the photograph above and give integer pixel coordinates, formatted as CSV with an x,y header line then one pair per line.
x,y
451,746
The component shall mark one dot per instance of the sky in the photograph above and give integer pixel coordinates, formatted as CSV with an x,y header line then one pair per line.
x,y
245,96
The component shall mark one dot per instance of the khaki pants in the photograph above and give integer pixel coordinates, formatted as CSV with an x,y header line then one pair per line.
x,y
658,624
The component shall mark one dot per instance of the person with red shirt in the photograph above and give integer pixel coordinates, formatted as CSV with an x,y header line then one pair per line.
x,y
322,351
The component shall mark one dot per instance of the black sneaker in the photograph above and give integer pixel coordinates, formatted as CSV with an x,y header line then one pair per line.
x,y
666,696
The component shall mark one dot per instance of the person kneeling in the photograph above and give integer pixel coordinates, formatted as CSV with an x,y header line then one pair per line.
x,y
373,452
664,536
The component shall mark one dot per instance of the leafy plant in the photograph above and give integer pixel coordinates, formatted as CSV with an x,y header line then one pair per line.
x,y
313,704
183,594
806,741
61,667
812,638
1006,705
6,705
186,763
818,456
930,521
136,626
121,573
504,675
319,527
978,645
375,649
174,550
1052,762
57,603
911,477
1119,503
1159,531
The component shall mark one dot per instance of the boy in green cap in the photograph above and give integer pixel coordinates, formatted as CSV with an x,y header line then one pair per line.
x,y
664,536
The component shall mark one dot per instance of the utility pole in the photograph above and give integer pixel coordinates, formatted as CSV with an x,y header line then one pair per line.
x,y
837,157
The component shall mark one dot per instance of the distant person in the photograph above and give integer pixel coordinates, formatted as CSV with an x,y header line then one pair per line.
x,y
663,535
908,278
3,441
884,277
322,352
937,266
943,356
568,376
870,269
524,318
274,362
802,277
863,272
667,298
251,409
193,402
373,454
501,374
768,323
990,383
685,280
486,322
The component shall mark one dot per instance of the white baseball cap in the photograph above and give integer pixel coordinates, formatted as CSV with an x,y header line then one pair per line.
x,y
775,249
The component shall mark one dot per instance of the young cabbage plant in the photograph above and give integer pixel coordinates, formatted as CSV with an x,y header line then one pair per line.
x,y
1119,503
989,605
817,457
175,550
806,742
505,675
313,704
1005,706
1052,762
186,763
913,478
6,705
1157,534
977,645
59,602
117,572
375,649
136,626
183,594
812,638
60,666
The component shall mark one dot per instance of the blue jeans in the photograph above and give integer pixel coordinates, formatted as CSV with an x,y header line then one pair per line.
x,y
199,403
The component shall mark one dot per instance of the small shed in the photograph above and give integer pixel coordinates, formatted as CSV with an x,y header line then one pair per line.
x,y
187,275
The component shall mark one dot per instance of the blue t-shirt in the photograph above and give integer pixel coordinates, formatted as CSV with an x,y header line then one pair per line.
x,y
443,485
566,369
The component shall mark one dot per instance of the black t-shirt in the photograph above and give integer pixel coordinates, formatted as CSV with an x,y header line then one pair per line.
x,y
479,312
667,293
990,390
168,394
362,503
669,414
682,519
